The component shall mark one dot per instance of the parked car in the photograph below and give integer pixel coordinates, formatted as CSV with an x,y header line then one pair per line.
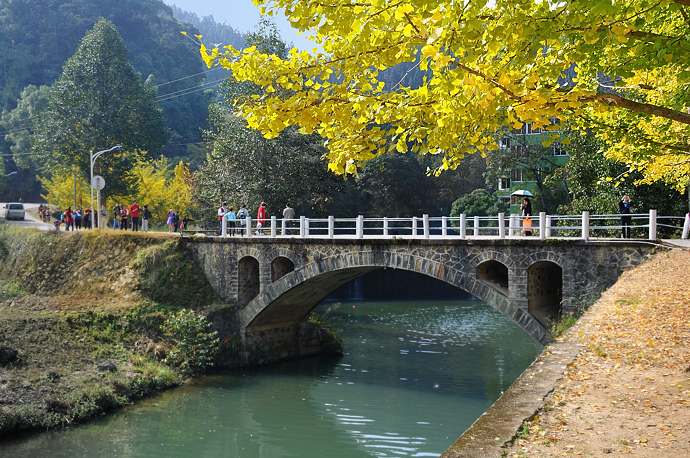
x,y
14,210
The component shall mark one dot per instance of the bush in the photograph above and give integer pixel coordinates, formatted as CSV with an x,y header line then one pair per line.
x,y
194,348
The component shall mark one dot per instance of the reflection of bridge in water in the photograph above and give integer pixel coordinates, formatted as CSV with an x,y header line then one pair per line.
x,y
273,283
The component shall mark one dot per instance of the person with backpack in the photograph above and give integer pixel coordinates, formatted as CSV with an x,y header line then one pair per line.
x,y
242,215
145,219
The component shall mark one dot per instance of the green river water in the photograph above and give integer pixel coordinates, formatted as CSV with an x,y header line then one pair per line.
x,y
414,376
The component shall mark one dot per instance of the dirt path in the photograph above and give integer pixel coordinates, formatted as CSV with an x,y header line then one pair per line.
x,y
628,391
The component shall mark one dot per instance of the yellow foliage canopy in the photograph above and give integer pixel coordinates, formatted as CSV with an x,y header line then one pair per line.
x,y
153,183
490,64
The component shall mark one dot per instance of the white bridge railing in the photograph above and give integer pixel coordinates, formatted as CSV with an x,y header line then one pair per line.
x,y
543,226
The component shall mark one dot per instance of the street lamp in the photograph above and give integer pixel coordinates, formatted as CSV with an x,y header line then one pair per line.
x,y
95,156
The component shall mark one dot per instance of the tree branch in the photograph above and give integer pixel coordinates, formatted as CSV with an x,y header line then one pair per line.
x,y
618,101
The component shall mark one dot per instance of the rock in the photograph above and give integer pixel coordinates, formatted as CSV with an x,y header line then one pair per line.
x,y
106,366
52,376
7,355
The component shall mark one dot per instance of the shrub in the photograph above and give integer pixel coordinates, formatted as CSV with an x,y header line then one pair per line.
x,y
194,348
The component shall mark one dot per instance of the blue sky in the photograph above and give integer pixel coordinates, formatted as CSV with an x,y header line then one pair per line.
x,y
242,15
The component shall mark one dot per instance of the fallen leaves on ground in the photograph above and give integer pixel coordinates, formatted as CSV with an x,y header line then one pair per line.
x,y
628,391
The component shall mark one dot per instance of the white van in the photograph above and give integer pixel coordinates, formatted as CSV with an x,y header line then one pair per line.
x,y
14,210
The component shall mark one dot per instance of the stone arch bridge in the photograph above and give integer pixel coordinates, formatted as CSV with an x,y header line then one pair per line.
x,y
272,285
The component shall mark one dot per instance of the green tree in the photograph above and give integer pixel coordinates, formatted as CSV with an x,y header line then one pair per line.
x,y
98,102
478,203
246,167
19,126
596,183
37,37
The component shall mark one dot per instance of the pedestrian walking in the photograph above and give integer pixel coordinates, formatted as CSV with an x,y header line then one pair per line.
x,y
230,219
125,217
117,217
242,215
69,219
222,210
103,218
77,218
288,216
261,219
145,219
134,214
526,212
87,219
625,208
170,222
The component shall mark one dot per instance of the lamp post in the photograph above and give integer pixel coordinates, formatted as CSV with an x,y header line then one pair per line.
x,y
95,156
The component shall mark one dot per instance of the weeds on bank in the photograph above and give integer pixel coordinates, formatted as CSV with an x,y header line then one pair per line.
x,y
567,320
195,348
169,277
336,340
10,290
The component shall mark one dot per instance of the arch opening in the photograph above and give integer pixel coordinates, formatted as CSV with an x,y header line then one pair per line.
x,y
248,283
545,291
494,274
280,267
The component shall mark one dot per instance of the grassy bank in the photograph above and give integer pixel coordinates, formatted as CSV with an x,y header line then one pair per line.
x,y
83,321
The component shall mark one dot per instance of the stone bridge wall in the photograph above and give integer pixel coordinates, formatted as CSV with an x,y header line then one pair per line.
x,y
275,283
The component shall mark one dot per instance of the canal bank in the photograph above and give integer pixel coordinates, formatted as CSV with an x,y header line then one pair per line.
x,y
615,382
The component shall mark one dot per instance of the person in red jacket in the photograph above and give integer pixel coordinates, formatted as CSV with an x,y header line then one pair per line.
x,y
69,219
134,215
261,219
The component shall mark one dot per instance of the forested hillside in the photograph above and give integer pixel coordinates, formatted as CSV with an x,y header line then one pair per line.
x,y
38,36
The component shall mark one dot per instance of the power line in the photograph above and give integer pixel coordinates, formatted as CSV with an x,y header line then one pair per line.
x,y
18,127
190,76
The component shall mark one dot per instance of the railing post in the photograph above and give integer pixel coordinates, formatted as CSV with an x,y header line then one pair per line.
x,y
273,226
306,227
248,219
223,227
283,225
414,226
302,224
331,227
652,224
425,222
501,225
463,226
514,225
542,225
444,226
585,225
686,226
385,226
547,230
360,227
476,226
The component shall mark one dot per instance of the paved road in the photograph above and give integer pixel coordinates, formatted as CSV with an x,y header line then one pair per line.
x,y
29,219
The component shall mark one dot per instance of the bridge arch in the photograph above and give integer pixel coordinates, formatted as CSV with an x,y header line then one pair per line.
x,y
281,266
248,279
288,301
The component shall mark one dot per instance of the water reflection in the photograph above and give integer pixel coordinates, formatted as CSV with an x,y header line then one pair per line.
x,y
413,377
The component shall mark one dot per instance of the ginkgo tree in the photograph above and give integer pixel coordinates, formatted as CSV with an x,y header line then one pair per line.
x,y
617,67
